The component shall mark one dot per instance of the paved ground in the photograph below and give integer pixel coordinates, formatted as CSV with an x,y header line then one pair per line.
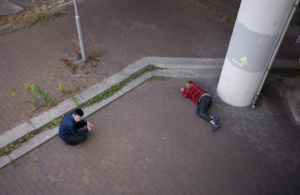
x,y
151,142
125,31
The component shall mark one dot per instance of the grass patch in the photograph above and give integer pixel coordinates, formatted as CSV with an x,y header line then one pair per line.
x,y
62,88
159,78
39,93
110,91
12,146
286,72
40,17
53,123
75,101
56,14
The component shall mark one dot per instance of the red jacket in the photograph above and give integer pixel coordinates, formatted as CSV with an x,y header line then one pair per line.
x,y
193,92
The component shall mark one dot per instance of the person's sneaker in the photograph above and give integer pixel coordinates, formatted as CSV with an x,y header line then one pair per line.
x,y
215,127
216,120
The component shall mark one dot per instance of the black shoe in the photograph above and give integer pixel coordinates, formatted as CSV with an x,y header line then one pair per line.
x,y
71,143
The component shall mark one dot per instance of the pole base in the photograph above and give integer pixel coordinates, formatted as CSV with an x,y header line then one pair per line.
x,y
85,61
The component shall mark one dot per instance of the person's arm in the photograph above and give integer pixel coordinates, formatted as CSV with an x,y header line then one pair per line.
x,y
186,92
77,133
82,123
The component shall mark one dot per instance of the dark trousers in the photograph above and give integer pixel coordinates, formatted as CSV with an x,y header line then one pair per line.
x,y
202,108
74,140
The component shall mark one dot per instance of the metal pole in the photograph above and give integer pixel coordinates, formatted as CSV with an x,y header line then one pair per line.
x,y
80,36
275,53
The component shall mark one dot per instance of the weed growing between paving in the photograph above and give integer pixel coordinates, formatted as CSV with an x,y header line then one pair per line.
x,y
95,51
75,101
56,14
66,91
53,123
40,17
12,146
159,78
70,64
62,88
38,93
7,149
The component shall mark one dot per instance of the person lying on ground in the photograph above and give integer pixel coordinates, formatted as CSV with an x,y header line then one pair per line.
x,y
203,102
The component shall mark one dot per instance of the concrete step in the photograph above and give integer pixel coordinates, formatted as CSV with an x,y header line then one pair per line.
x,y
190,73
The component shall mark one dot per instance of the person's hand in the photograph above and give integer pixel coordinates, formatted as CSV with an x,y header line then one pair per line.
x,y
182,89
90,128
90,124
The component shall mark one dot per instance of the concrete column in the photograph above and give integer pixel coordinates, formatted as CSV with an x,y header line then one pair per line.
x,y
257,30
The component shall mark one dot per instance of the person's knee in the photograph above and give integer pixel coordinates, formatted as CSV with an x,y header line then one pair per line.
x,y
84,137
202,114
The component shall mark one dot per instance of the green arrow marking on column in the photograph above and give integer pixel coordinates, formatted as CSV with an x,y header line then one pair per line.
x,y
244,60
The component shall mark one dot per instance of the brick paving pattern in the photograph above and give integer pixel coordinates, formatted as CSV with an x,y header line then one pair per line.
x,y
150,141
125,30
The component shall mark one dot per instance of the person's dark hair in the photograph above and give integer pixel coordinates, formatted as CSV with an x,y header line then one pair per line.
x,y
78,112
190,82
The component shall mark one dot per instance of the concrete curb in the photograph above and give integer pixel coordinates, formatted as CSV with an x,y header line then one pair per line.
x,y
205,68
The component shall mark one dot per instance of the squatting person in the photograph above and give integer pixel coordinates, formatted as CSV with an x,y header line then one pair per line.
x,y
203,102
69,129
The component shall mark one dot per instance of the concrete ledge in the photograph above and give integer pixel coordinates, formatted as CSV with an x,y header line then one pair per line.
x,y
4,160
15,134
203,74
33,143
116,78
92,109
187,63
220,61
191,61
137,66
136,82
158,61
91,92
57,111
